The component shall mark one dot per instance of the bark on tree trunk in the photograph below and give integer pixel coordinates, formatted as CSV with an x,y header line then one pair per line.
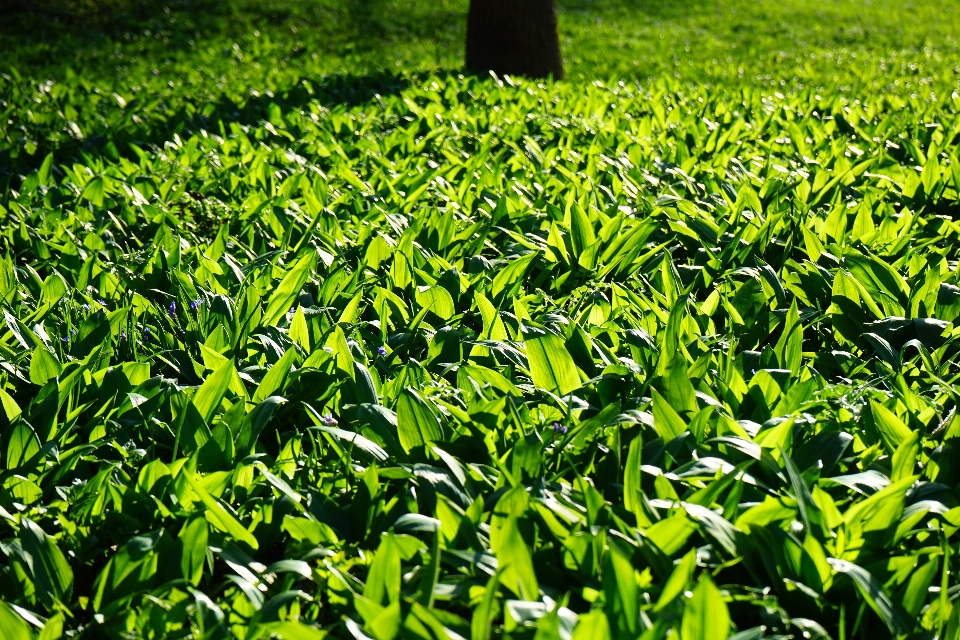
x,y
515,37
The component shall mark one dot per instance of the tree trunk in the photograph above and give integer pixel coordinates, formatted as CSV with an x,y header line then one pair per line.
x,y
515,37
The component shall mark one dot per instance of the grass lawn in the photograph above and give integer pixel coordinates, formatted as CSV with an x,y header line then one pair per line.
x,y
306,332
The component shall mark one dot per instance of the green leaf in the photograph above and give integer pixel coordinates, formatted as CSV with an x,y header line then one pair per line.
x,y
14,627
677,388
44,173
632,476
93,191
665,420
592,626
670,346
551,365
52,629
583,237
275,377
905,457
431,574
484,613
51,572
506,283
383,579
292,630
286,293
44,366
210,394
23,445
917,590
416,423
437,300
678,580
514,556
365,387
930,176
193,538
670,534
790,345
872,591
218,516
621,593
705,615
892,430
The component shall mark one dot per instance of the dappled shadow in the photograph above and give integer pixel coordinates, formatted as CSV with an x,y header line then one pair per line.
x,y
649,8
66,26
80,21
336,89
126,46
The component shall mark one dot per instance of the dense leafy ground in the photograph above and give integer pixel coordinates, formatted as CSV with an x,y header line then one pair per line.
x,y
421,355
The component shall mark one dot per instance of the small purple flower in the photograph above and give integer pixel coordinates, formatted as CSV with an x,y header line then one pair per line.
x,y
123,335
86,307
292,310
64,339
73,331
172,308
146,334
101,303
382,351
328,420
559,428
195,304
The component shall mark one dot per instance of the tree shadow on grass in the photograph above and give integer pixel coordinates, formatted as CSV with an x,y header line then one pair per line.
x,y
112,142
67,26
52,39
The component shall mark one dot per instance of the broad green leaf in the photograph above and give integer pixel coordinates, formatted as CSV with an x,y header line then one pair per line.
x,y
383,578
583,237
666,421
93,191
892,614
592,626
509,280
632,490
551,365
14,627
917,590
289,288
193,537
790,345
514,556
621,593
677,388
51,571
10,407
210,394
43,366
22,446
292,630
416,423
905,457
275,378
671,534
705,614
220,517
484,612
438,300
678,580
892,430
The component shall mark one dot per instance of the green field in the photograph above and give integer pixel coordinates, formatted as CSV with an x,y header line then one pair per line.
x,y
306,332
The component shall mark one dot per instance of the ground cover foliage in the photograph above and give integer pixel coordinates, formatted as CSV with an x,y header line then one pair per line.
x,y
430,356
